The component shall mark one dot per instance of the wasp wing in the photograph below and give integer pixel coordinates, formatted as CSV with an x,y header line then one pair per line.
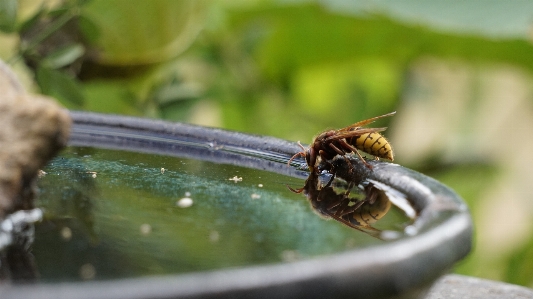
x,y
366,121
357,132
365,229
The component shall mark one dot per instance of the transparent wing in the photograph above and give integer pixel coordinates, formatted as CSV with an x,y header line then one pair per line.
x,y
353,133
365,122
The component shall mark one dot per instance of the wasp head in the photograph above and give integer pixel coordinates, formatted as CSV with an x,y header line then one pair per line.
x,y
310,158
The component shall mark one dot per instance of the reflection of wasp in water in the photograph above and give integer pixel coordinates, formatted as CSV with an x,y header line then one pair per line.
x,y
356,213
350,139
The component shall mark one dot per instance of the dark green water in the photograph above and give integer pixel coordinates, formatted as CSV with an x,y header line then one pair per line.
x,y
114,214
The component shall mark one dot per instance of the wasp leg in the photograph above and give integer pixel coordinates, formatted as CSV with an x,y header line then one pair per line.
x,y
355,150
353,208
333,204
336,149
371,194
346,209
342,153
296,190
342,206
349,188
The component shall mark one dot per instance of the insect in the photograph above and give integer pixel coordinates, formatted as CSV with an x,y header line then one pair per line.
x,y
353,138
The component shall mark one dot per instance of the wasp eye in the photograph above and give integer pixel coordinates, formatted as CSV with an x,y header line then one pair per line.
x,y
311,157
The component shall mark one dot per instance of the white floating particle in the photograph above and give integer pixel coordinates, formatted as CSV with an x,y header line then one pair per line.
x,y
145,229
87,272
184,202
214,236
235,179
162,170
260,185
255,196
66,233
187,194
290,255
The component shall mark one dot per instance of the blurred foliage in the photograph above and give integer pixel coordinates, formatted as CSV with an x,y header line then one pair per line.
x,y
294,69
480,178
520,265
283,68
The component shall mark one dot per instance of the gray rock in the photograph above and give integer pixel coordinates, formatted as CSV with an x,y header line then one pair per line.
x,y
455,286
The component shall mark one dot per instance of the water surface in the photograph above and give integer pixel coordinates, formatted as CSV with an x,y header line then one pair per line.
x,y
116,214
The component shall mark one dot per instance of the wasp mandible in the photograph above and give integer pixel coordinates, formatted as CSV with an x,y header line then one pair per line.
x,y
353,138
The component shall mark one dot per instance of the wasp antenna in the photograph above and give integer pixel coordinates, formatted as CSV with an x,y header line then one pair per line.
x,y
295,155
301,146
302,153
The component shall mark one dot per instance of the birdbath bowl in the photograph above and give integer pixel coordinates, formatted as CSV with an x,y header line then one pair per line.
x,y
138,208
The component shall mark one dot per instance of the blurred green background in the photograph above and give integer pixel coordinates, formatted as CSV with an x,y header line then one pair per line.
x,y
460,75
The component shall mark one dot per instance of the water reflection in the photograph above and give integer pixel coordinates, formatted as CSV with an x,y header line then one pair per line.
x,y
16,236
358,207
73,202
355,202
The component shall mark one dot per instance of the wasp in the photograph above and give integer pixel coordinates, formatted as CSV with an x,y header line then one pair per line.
x,y
350,139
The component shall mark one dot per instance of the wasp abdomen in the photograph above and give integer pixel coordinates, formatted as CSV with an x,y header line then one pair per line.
x,y
374,144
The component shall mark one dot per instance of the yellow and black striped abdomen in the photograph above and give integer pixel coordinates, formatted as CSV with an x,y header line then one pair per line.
x,y
374,144
369,213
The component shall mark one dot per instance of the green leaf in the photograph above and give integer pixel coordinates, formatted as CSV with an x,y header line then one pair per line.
x,y
60,86
109,96
88,29
8,15
175,93
31,21
64,56
141,32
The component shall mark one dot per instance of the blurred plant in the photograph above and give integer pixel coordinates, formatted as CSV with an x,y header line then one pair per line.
x,y
520,265
67,43
51,46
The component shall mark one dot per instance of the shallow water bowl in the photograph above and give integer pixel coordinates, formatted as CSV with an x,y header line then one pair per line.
x,y
138,208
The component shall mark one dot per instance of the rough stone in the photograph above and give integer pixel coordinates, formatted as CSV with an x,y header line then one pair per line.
x,y
455,286
33,128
